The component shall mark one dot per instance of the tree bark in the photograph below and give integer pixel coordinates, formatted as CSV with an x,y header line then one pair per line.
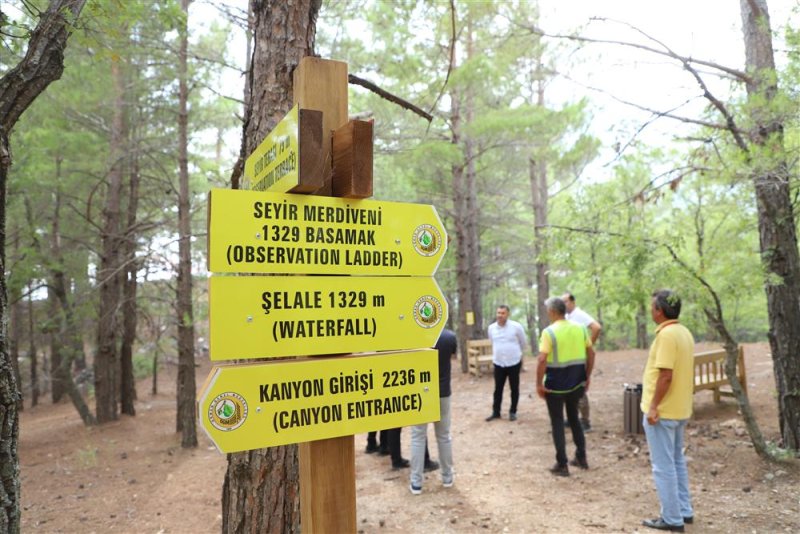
x,y
32,353
641,326
54,335
472,210
461,230
186,420
776,219
537,171
43,63
598,288
261,491
106,362
129,307
15,338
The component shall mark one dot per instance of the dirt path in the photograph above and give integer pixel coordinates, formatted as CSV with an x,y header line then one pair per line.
x,y
132,476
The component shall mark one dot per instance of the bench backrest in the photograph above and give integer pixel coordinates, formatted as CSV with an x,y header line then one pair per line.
x,y
480,346
709,368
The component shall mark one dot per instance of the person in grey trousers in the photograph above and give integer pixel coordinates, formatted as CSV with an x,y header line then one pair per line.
x,y
446,345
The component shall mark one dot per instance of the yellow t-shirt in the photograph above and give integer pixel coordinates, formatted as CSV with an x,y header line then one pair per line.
x,y
673,348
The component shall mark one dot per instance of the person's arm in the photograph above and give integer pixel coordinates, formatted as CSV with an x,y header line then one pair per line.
x,y
540,368
521,338
594,329
663,383
589,365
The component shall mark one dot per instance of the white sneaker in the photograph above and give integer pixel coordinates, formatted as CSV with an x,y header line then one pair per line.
x,y
449,484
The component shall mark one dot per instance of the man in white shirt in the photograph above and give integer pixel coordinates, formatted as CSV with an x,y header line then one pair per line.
x,y
577,315
508,344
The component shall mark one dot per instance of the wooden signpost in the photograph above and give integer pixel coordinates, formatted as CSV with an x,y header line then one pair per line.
x,y
255,232
290,157
271,316
388,300
255,406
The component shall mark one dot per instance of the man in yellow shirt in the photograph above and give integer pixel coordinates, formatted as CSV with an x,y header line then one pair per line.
x,y
667,404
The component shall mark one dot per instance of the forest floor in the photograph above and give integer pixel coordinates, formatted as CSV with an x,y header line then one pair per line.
x,y
132,476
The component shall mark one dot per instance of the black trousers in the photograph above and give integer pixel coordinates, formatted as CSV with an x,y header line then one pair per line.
x,y
556,402
372,440
500,375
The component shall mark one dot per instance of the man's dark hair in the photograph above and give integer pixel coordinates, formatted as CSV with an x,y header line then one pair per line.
x,y
557,305
570,296
504,307
668,302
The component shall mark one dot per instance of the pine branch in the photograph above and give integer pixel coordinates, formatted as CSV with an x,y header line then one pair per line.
x,y
355,80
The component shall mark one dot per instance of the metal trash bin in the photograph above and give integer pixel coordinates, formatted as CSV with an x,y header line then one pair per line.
x,y
632,411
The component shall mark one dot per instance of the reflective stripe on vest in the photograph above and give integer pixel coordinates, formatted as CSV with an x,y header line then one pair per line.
x,y
553,359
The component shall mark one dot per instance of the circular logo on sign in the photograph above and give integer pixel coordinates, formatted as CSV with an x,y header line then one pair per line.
x,y
427,311
227,411
427,240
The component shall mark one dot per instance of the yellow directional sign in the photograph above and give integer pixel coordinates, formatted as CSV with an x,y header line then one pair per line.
x,y
271,316
245,407
257,232
275,162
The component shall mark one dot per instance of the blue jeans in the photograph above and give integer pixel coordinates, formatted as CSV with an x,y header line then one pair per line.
x,y
665,440
419,435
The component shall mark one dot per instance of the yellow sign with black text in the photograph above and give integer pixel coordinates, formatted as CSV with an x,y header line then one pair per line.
x,y
245,407
258,232
273,316
274,164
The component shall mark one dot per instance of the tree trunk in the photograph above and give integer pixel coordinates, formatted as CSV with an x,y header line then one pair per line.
x,y
32,352
106,363
597,283
776,219
54,335
472,211
66,343
187,393
461,230
19,87
641,326
15,331
538,177
261,491
129,308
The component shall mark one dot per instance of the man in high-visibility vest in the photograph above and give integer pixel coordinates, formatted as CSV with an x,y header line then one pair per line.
x,y
565,363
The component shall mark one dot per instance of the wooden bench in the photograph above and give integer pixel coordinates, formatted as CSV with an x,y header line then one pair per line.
x,y
479,355
709,372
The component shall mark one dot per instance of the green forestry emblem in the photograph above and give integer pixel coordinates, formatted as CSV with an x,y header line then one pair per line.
x,y
227,411
427,240
427,311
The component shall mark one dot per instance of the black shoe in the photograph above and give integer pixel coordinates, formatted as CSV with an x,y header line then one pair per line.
x,y
431,465
384,452
493,416
688,520
659,524
372,448
512,417
400,464
579,462
560,470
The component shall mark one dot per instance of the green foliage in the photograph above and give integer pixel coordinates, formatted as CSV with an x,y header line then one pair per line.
x,y
142,366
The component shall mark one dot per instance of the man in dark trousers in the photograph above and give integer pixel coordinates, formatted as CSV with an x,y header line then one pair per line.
x,y
446,345
565,363
508,345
